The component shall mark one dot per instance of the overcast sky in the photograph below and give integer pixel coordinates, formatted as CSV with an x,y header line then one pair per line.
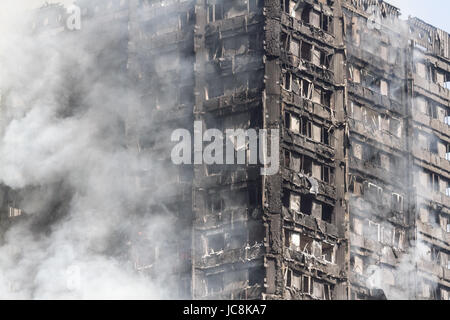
x,y
434,12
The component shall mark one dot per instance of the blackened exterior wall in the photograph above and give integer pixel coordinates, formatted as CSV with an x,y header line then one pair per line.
x,y
362,103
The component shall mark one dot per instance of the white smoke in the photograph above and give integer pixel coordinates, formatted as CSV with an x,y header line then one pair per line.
x,y
73,172
402,281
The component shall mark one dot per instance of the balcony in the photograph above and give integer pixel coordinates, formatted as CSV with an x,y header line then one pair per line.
x,y
430,267
233,26
379,172
361,242
311,223
325,190
430,158
240,255
380,136
310,262
435,233
225,218
424,191
234,101
376,98
310,68
431,87
228,65
304,104
360,206
436,124
229,175
306,29
248,293
308,144
389,67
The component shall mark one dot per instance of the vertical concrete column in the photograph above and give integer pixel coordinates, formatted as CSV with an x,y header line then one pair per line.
x,y
342,219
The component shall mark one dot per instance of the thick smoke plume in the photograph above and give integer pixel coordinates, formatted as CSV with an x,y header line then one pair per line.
x,y
65,159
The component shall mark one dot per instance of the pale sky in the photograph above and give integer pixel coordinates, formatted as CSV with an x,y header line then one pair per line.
x,y
434,12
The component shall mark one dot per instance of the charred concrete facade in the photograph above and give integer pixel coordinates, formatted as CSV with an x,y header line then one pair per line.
x,y
346,212
378,167
428,91
360,207
391,152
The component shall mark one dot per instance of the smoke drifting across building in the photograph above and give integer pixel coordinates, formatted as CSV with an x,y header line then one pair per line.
x,y
359,209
